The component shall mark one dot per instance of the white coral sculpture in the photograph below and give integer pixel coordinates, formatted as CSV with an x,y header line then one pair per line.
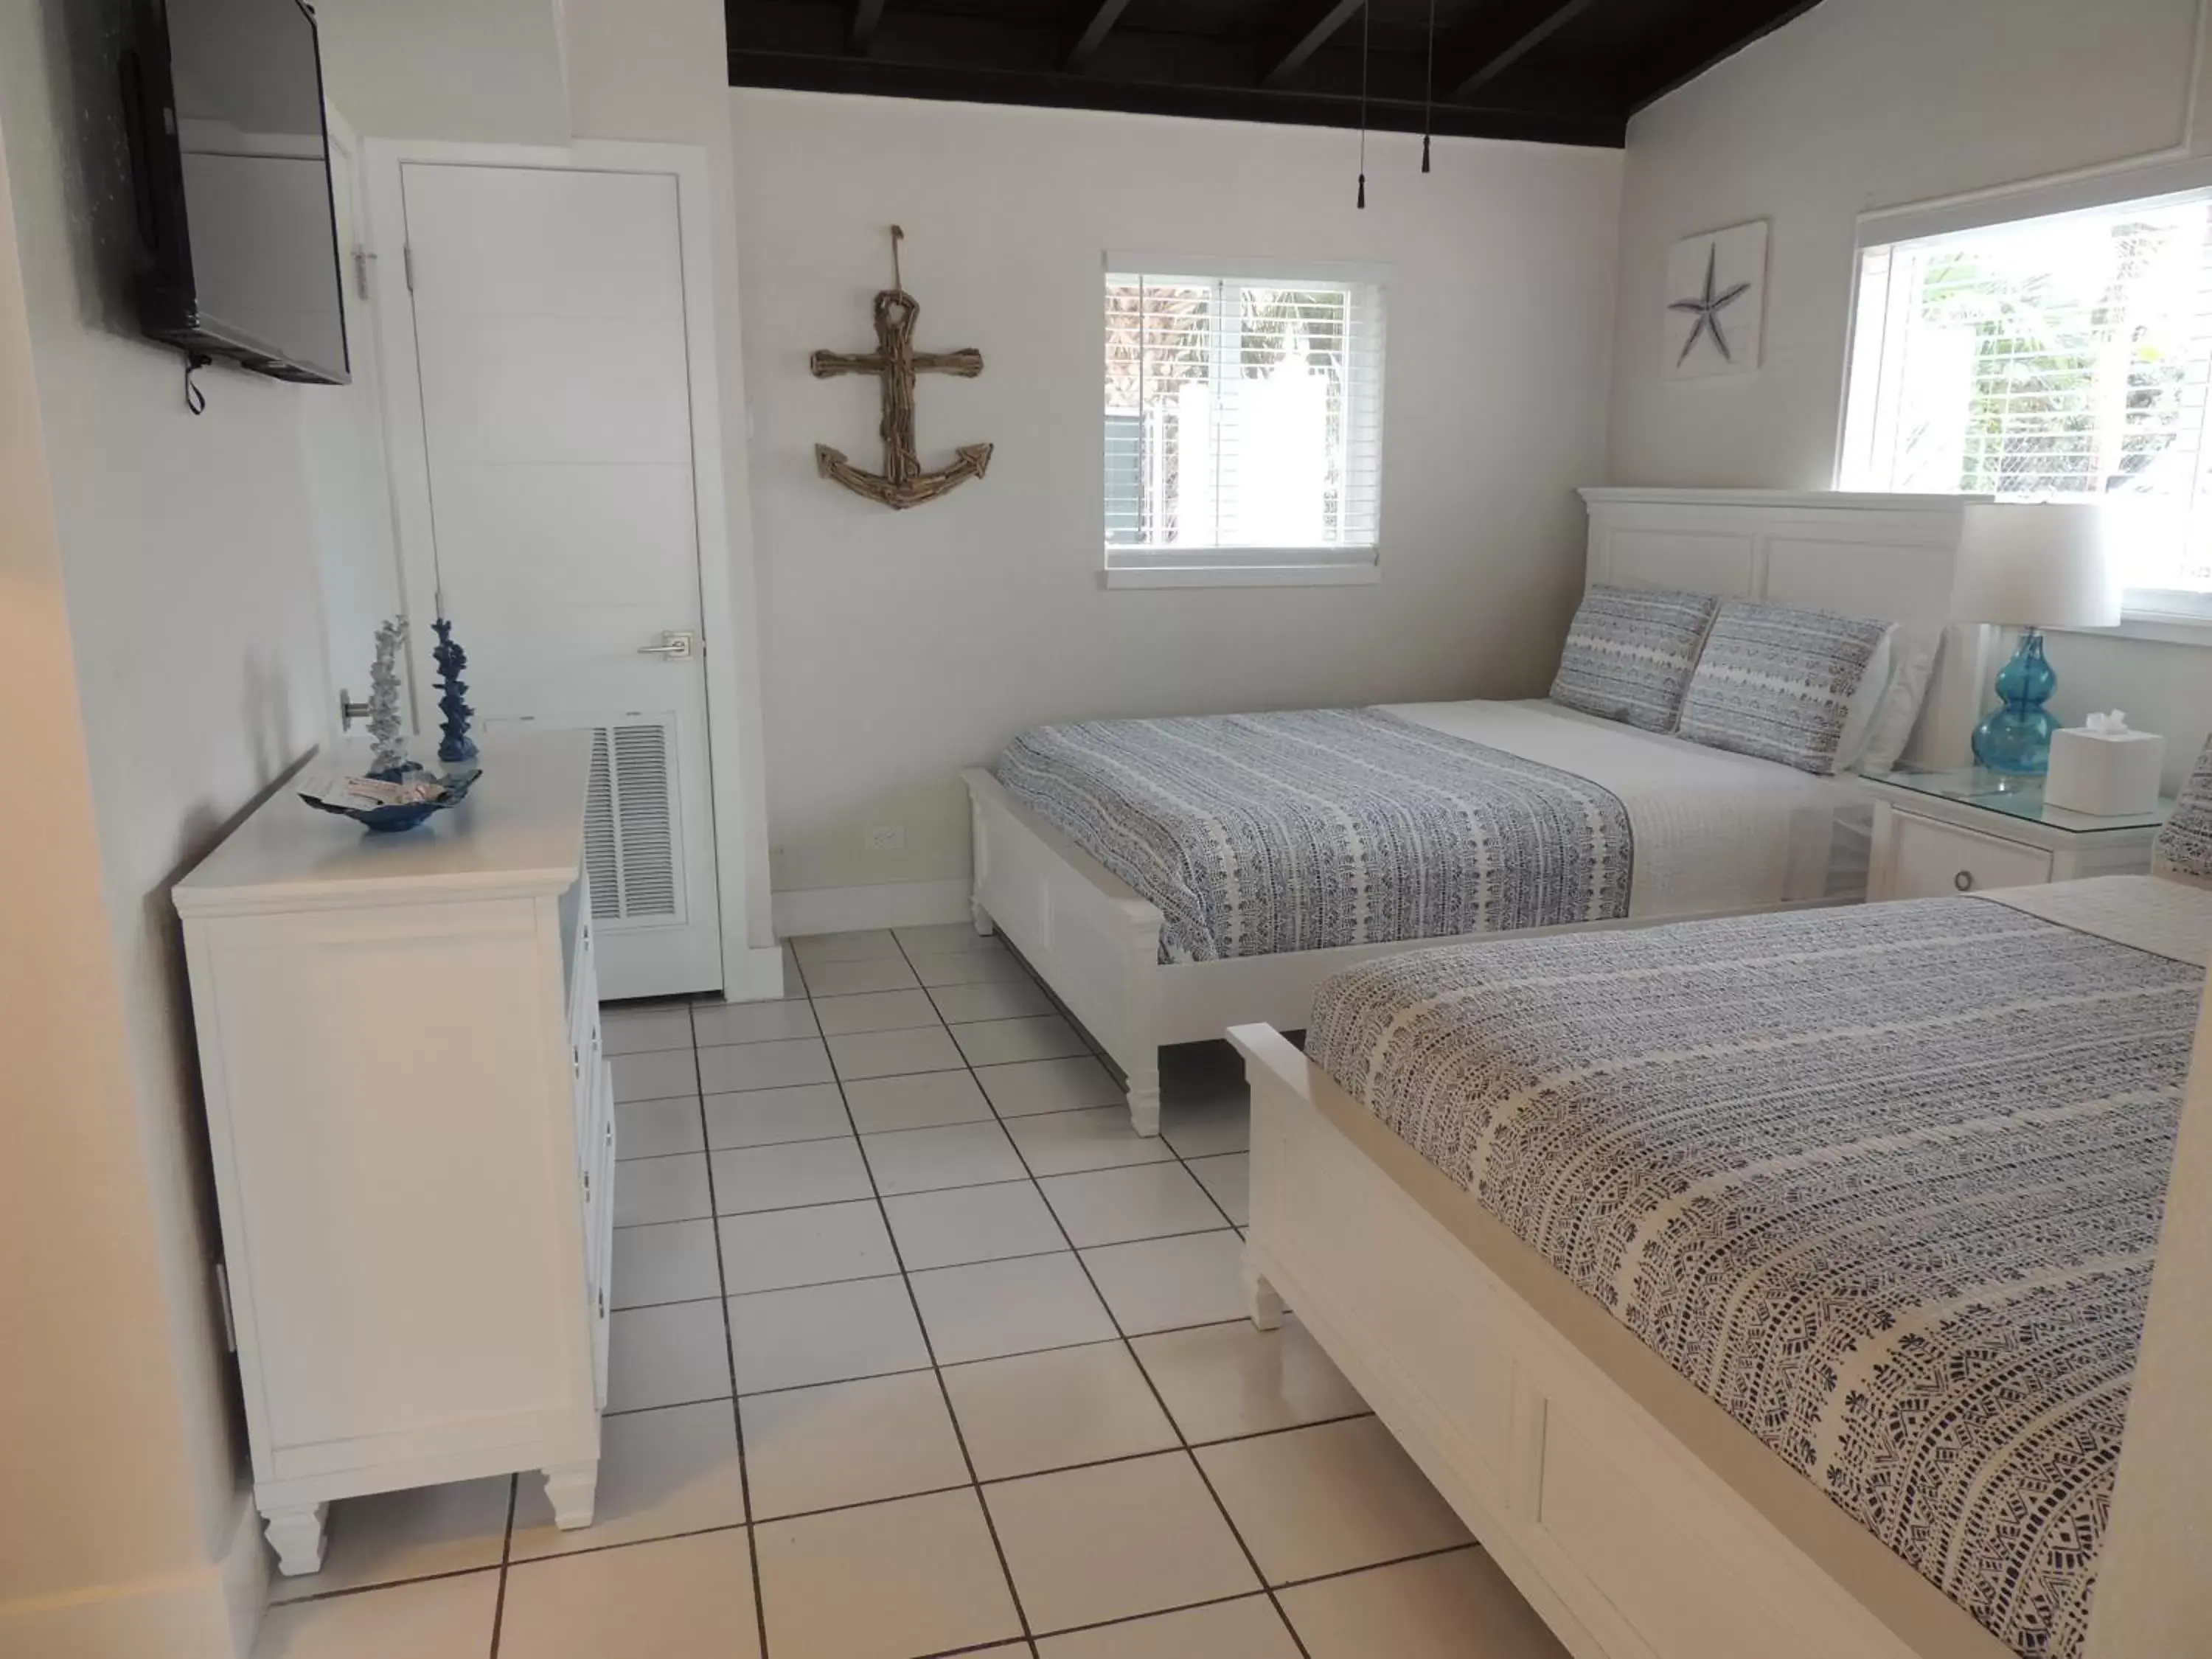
x,y
384,722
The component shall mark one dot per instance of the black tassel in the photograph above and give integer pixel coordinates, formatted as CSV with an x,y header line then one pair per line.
x,y
1425,152
1363,191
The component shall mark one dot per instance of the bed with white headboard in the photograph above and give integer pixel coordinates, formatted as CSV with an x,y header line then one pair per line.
x,y
1861,554
1097,942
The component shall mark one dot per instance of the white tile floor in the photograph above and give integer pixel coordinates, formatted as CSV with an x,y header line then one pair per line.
x,y
918,1351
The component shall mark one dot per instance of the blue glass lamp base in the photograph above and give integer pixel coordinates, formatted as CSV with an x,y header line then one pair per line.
x,y
2016,738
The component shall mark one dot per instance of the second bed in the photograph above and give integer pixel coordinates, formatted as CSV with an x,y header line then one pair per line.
x,y
1884,1185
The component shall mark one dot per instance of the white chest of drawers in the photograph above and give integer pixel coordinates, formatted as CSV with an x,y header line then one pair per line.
x,y
413,1142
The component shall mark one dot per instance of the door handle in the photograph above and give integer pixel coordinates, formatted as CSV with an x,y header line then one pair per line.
x,y
675,644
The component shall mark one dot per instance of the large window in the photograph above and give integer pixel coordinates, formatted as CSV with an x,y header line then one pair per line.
x,y
2057,358
1243,427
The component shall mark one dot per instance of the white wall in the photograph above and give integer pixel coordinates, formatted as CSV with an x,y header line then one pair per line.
x,y
898,647
1869,104
184,553
485,71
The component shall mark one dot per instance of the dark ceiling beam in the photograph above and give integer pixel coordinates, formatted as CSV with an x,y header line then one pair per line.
x,y
1722,29
1506,39
1558,117
866,13
1290,52
1097,25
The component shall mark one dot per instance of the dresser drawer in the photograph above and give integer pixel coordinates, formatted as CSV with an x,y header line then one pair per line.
x,y
1928,860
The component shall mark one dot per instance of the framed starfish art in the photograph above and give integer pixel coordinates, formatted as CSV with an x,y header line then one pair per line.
x,y
1716,303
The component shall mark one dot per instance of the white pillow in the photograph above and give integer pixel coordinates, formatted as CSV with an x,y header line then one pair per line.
x,y
1867,703
1912,667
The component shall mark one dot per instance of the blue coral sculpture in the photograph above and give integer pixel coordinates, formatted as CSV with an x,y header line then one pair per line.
x,y
455,746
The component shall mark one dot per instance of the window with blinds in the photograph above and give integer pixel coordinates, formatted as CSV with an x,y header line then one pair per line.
x,y
2062,358
1243,418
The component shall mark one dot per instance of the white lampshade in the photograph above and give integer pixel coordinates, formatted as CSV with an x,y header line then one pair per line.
x,y
2038,564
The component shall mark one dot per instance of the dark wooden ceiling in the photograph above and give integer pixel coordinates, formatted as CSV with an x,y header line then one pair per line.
x,y
1563,72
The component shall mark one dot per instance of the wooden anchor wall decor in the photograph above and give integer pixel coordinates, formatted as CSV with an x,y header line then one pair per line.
x,y
901,483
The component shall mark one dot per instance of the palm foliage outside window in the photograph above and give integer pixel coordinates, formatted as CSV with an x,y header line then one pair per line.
x,y
2058,358
1241,417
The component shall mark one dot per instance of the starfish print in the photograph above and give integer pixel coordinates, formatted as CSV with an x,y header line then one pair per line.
x,y
1707,309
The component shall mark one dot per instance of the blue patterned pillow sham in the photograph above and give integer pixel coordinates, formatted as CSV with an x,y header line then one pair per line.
x,y
2183,846
1776,681
1630,651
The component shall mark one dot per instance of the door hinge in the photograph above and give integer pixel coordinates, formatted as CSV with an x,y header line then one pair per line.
x,y
222,1300
407,258
363,258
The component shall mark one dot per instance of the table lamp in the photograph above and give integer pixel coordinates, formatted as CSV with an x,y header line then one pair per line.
x,y
2032,565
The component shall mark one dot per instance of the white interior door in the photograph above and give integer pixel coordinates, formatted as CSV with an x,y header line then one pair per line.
x,y
557,414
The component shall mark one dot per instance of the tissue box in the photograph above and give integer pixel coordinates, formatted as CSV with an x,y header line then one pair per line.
x,y
2104,774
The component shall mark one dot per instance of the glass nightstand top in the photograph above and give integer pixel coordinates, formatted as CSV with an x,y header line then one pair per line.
x,y
2016,797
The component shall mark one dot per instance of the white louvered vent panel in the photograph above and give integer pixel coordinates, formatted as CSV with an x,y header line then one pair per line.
x,y
602,838
633,843
645,803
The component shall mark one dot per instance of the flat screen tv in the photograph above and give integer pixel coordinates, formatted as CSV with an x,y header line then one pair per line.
x,y
225,99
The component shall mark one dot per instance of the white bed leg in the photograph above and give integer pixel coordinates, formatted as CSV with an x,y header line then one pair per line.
x,y
296,1533
982,918
572,1489
1261,1298
1145,1108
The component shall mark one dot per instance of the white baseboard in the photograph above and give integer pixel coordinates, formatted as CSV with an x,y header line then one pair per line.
x,y
246,1572
212,1612
757,975
885,904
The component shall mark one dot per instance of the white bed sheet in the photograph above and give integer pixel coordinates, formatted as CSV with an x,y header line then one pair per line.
x,y
2170,919
1713,831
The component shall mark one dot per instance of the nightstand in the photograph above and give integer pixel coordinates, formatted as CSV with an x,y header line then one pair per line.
x,y
1939,833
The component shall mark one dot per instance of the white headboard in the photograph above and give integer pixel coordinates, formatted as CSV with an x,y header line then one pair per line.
x,y
1888,557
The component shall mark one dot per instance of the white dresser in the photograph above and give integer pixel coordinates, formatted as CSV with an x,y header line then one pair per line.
x,y
413,1139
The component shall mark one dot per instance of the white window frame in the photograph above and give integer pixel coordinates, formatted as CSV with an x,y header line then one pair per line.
x,y
1352,565
2175,616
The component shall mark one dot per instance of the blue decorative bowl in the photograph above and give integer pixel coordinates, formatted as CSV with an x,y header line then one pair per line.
x,y
405,815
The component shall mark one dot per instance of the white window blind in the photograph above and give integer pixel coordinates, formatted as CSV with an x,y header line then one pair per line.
x,y
2065,358
1243,418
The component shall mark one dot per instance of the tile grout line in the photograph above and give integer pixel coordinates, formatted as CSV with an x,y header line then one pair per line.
x,y
372,1588
1174,1151
506,1559
1017,1353
729,1356
921,1326
1182,1440
1205,1479
924,1192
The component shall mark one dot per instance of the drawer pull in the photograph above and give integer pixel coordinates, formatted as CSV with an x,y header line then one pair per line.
x,y
587,1183
603,1304
1963,881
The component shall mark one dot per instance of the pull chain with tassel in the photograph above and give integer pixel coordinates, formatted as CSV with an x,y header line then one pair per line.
x,y
1428,93
1366,16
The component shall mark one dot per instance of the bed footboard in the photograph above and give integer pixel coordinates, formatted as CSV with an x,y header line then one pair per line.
x,y
1095,942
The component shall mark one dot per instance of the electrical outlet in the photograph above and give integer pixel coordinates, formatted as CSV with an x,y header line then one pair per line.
x,y
886,838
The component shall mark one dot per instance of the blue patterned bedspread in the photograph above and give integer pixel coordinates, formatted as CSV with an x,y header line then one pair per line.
x,y
1884,1181
1301,831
